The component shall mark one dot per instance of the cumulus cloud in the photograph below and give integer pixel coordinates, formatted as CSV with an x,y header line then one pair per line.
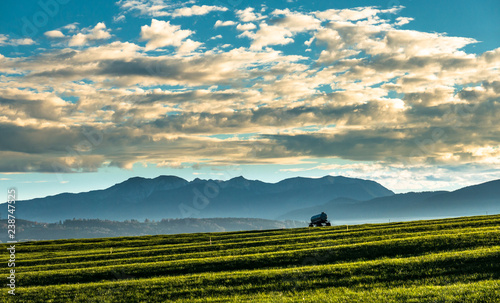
x,y
189,46
6,40
269,35
296,22
248,15
355,14
98,32
246,27
145,7
161,33
220,23
282,29
368,91
197,10
162,8
54,34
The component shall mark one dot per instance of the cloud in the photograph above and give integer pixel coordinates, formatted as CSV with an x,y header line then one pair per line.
x,y
270,35
296,22
162,33
98,32
16,103
248,15
120,64
54,34
220,23
246,27
7,40
403,178
367,91
355,14
72,27
119,18
163,8
282,29
144,7
197,10
189,46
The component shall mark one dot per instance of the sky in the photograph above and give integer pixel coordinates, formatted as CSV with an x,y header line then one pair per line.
x,y
405,93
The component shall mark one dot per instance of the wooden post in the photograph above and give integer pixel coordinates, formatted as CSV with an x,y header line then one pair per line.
x,y
210,240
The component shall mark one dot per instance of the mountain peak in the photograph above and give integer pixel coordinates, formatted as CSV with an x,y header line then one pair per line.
x,y
239,178
132,180
169,178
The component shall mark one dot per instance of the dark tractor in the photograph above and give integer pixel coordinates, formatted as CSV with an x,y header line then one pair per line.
x,y
319,220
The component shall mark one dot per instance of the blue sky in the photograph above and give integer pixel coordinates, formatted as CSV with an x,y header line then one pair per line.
x,y
405,93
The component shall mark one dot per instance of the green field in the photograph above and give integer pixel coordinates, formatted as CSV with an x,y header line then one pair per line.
x,y
450,260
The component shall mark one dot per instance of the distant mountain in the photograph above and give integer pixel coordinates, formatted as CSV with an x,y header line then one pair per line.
x,y
473,200
173,197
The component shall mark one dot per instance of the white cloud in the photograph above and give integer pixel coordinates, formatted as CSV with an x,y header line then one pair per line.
x,y
220,23
403,20
98,32
54,34
282,30
248,15
386,91
296,22
7,40
119,18
270,35
72,27
145,7
415,43
216,37
162,33
246,27
188,46
355,14
197,10
164,8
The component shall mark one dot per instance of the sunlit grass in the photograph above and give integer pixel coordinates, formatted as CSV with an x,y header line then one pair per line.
x,y
452,260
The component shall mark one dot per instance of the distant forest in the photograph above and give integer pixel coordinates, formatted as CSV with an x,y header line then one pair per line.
x,y
95,228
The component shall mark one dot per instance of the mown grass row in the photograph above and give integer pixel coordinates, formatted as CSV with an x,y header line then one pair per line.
x,y
151,246
432,269
216,250
340,253
422,261
143,242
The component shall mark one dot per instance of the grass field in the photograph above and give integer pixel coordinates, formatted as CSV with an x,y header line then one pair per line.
x,y
450,260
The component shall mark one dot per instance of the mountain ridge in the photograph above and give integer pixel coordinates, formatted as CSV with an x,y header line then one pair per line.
x,y
471,200
174,197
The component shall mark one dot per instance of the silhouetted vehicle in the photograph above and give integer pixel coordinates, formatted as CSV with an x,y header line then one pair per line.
x,y
319,220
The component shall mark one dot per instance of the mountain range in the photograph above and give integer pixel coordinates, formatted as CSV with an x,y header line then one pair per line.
x,y
343,199
173,197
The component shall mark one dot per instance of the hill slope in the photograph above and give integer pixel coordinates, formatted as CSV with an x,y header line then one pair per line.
x,y
173,197
473,200
452,260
